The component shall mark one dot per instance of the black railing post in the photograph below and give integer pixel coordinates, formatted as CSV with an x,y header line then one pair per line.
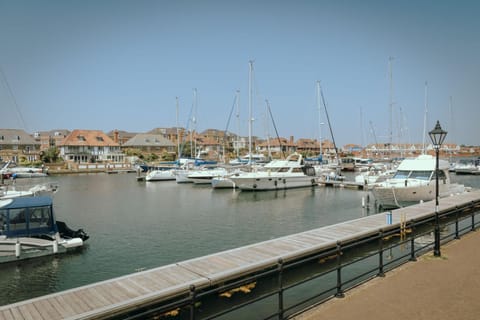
x,y
380,273
339,293
457,235
280,289
192,302
413,256
473,220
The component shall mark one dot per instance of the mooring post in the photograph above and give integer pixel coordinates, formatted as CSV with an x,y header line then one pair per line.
x,y
380,255
280,288
192,302
339,293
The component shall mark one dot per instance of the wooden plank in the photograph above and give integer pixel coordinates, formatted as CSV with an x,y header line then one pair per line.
x,y
46,309
29,313
7,315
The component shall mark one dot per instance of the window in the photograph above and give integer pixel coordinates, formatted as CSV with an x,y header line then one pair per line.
x,y
81,138
421,175
99,138
401,174
39,217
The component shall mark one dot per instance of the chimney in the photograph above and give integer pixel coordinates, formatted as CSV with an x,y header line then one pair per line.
x,y
115,136
291,139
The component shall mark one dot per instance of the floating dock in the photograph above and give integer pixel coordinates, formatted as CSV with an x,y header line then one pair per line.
x,y
121,295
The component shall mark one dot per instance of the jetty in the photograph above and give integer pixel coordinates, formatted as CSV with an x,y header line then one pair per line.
x,y
172,288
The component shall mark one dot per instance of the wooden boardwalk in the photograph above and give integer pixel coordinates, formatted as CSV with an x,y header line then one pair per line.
x,y
119,295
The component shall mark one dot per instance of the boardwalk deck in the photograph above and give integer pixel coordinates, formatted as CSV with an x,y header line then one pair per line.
x,y
116,296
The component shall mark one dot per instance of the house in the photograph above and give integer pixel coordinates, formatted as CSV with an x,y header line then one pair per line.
x,y
277,146
152,143
120,136
90,146
17,145
50,139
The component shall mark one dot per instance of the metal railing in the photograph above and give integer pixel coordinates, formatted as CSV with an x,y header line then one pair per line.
x,y
295,286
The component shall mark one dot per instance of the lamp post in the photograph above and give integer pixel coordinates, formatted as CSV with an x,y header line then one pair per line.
x,y
438,136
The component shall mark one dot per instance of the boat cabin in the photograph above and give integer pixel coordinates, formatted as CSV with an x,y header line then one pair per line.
x,y
27,217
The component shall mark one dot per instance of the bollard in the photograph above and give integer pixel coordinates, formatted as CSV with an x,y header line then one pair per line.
x,y
388,217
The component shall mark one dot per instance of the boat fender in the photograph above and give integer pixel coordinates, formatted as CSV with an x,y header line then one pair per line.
x,y
275,183
284,181
18,249
313,182
55,246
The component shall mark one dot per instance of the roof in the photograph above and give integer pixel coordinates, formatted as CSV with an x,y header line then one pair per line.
x,y
95,138
24,202
148,140
422,163
16,137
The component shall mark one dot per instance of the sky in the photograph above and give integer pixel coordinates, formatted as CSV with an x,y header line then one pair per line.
x,y
388,70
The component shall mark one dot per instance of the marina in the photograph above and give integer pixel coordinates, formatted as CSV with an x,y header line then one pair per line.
x,y
147,288
263,206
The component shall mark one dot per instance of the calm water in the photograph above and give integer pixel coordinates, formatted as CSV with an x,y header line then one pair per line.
x,y
139,225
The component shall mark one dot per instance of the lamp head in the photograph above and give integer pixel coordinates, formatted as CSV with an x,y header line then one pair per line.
x,y
437,135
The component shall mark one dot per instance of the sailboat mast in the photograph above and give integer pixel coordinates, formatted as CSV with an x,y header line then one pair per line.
x,y
250,110
176,124
390,59
319,118
238,122
195,120
425,117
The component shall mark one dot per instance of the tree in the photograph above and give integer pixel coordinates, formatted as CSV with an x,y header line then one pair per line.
x,y
50,155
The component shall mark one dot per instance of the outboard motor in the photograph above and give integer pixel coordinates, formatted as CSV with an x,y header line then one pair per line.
x,y
66,232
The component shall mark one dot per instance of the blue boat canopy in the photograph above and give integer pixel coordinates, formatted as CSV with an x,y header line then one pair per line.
x,y
24,202
27,216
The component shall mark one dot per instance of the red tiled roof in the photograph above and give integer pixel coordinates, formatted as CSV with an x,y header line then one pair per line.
x,y
94,138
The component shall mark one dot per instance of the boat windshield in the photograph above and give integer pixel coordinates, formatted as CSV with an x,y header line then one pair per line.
x,y
421,175
26,221
401,174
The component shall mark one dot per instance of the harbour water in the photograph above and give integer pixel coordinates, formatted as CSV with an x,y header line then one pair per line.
x,y
140,225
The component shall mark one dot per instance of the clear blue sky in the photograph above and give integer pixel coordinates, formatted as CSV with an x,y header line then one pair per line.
x,y
120,64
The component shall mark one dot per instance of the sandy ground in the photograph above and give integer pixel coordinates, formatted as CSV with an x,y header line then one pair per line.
x,y
430,288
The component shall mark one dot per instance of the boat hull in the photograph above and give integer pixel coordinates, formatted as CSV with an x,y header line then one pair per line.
x,y
260,183
396,197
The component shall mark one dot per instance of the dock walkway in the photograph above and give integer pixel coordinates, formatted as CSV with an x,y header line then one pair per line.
x,y
119,295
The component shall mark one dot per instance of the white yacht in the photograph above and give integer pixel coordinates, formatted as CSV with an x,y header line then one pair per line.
x,y
161,174
414,181
278,174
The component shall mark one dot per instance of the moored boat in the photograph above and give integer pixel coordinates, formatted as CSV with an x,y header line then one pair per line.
x,y
278,174
414,181
29,229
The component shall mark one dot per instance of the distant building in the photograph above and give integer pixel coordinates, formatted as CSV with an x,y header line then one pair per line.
x,y
152,143
120,136
90,146
17,145
50,139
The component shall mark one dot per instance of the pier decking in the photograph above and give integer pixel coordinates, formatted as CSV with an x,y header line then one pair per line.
x,y
120,295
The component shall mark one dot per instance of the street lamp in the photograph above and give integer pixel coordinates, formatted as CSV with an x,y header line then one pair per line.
x,y
438,136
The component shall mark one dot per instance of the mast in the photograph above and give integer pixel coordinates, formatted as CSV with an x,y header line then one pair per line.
x,y
176,124
250,108
390,59
330,126
425,118
319,119
194,120
238,122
